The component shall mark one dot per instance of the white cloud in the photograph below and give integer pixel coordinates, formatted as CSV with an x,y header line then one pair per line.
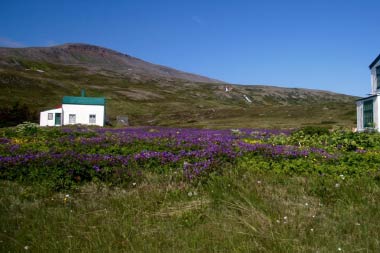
x,y
6,42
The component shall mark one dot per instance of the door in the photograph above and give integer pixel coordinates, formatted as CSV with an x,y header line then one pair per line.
x,y
58,119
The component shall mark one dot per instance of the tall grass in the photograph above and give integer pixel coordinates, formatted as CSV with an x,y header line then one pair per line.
x,y
243,210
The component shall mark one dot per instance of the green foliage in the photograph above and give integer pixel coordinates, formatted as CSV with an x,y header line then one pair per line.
x,y
350,154
16,114
335,141
313,130
34,65
27,128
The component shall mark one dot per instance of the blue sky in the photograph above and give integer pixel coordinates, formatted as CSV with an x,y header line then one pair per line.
x,y
323,44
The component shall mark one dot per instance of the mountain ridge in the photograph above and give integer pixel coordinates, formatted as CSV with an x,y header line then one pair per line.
x,y
97,58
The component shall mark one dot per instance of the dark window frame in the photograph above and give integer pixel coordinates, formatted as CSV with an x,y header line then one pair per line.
x,y
92,118
72,116
368,113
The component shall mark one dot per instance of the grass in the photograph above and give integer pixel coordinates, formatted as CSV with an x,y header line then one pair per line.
x,y
242,211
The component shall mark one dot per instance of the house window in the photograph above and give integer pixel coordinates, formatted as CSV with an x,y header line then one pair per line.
x,y
378,76
92,119
368,113
50,116
72,118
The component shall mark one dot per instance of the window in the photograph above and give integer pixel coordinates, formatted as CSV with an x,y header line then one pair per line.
x,y
72,118
50,116
92,119
368,113
378,76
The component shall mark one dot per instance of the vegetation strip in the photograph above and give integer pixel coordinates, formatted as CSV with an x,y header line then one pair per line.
x,y
190,190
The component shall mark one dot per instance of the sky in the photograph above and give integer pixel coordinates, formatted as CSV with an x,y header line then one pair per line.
x,y
323,44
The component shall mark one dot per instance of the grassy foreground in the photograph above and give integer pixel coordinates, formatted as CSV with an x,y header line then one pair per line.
x,y
243,211
188,190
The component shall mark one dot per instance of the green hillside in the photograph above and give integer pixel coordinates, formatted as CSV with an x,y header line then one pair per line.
x,y
168,101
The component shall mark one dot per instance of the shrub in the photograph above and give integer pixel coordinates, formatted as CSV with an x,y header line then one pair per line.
x,y
314,130
27,128
16,114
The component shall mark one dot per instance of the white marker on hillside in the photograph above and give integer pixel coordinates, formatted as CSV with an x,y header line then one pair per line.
x,y
247,99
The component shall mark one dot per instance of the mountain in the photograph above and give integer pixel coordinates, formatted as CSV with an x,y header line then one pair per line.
x,y
96,59
151,94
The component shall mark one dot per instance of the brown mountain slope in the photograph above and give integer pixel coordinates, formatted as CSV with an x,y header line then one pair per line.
x,y
95,59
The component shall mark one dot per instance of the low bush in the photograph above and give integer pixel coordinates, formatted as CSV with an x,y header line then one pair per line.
x,y
313,130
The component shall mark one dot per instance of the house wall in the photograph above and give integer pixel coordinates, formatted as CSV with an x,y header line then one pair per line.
x,y
374,78
82,114
359,115
44,120
376,112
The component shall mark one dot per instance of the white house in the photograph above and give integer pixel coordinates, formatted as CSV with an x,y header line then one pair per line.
x,y
76,110
51,117
368,108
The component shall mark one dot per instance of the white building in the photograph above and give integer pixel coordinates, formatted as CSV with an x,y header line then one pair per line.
x,y
368,107
76,110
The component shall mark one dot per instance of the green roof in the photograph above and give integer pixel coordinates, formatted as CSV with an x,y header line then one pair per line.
x,y
83,100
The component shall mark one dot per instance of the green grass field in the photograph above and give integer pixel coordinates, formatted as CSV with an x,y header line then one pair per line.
x,y
242,211
278,198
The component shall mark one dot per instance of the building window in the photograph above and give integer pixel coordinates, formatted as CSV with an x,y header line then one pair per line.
x,y
72,118
50,116
92,119
378,76
368,113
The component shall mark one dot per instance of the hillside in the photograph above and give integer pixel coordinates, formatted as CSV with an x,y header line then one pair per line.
x,y
156,95
97,59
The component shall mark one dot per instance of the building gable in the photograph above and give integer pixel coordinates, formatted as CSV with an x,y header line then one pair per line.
x,y
374,62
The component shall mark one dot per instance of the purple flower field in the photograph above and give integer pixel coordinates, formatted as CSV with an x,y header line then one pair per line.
x,y
84,153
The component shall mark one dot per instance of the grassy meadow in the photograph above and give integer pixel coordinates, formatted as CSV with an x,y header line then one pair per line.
x,y
152,189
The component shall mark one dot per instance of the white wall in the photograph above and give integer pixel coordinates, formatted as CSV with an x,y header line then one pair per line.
x,y
359,115
82,114
376,112
374,79
44,120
